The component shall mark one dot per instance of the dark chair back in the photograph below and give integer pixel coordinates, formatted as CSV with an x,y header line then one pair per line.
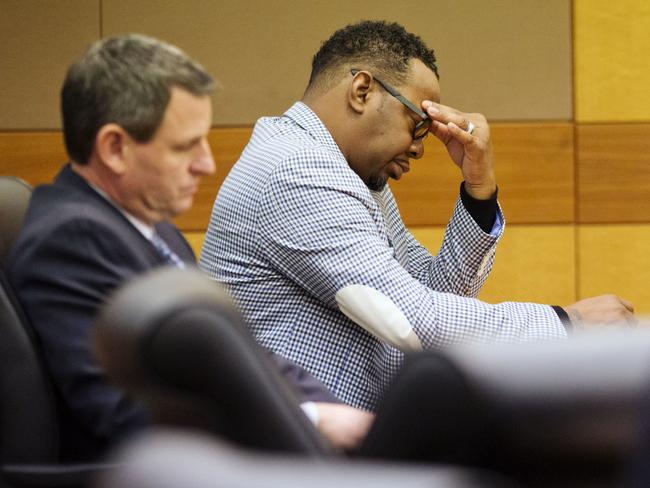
x,y
548,413
174,340
29,428
170,459
28,417
28,420
14,199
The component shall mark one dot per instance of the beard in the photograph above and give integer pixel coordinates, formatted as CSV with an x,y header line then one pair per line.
x,y
377,182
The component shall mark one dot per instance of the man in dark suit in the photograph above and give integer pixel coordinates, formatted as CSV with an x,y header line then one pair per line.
x,y
136,115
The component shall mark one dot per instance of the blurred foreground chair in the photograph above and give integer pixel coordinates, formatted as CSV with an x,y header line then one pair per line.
x,y
175,341
29,433
14,199
172,459
562,413
566,413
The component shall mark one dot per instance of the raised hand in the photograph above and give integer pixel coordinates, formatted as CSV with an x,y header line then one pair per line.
x,y
467,138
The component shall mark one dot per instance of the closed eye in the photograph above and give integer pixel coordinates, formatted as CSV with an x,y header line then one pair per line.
x,y
187,146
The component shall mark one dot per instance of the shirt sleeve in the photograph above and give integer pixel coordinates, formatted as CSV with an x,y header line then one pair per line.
x,y
464,260
308,388
484,212
323,236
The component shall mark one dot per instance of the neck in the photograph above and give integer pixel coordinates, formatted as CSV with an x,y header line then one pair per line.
x,y
331,109
97,177
101,177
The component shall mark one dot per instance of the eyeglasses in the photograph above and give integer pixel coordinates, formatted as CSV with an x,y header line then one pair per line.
x,y
421,129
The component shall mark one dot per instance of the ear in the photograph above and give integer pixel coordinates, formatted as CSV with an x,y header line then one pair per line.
x,y
112,145
360,89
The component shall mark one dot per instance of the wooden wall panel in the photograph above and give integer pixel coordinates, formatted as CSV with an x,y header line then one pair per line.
x,y
614,172
33,156
533,166
612,55
535,173
492,60
533,263
37,157
615,259
511,60
38,40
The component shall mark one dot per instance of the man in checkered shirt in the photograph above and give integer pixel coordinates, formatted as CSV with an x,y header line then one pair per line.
x,y
306,212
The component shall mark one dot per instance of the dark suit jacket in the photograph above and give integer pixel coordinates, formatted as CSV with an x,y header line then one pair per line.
x,y
74,249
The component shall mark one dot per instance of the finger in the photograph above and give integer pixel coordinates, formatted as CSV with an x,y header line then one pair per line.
x,y
624,316
615,317
460,134
626,304
444,114
440,130
439,108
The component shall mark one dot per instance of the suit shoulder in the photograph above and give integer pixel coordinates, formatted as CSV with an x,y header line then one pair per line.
x,y
53,209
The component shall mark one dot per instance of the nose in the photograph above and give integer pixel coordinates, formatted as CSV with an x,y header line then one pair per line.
x,y
203,162
416,150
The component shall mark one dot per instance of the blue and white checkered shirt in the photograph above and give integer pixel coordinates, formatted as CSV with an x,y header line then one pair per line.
x,y
292,224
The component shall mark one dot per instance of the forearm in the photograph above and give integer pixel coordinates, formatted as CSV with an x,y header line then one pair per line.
x,y
464,260
465,257
444,319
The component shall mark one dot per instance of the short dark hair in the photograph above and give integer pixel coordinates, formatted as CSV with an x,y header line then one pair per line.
x,y
385,48
125,80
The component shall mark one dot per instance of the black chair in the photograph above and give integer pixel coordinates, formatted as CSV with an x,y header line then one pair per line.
x,y
564,413
174,340
29,435
172,459
567,413
14,198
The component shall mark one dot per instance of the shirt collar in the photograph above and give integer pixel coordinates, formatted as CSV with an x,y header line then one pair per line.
x,y
305,117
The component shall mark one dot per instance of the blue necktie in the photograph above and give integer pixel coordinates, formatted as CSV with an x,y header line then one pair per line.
x,y
170,256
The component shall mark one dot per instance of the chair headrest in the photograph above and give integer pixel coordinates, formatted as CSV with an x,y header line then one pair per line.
x,y
174,340
135,310
167,458
14,199
577,403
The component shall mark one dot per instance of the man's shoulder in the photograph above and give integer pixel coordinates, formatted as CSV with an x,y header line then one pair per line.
x,y
279,138
53,207
292,150
279,152
64,219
